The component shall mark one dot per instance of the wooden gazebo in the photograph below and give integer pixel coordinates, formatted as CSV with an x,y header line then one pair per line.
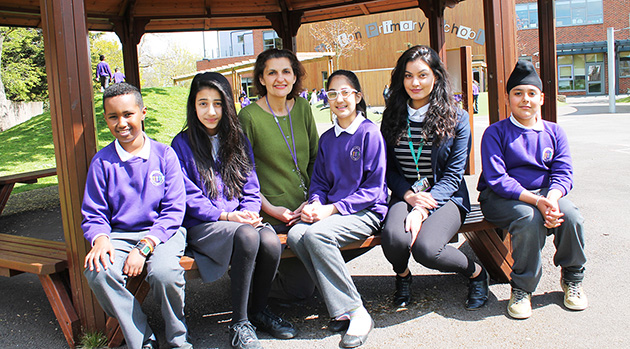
x,y
65,25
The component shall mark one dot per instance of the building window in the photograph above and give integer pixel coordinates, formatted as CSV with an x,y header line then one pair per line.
x,y
624,64
571,73
527,16
247,85
271,40
235,43
568,13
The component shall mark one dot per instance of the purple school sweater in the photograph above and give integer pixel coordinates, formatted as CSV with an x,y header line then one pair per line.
x,y
349,171
516,159
135,195
200,208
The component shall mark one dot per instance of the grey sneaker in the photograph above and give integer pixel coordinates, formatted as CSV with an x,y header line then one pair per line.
x,y
574,296
520,305
244,336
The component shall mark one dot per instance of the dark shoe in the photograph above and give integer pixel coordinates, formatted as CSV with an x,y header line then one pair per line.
x,y
338,325
478,292
273,324
150,345
348,341
402,297
244,336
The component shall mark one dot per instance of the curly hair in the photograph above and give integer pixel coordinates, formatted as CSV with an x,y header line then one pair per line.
x,y
235,162
441,118
261,62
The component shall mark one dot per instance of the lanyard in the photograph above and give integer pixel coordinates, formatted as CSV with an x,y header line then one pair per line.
x,y
293,150
416,159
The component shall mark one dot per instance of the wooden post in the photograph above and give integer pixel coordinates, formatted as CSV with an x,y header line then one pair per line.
x,y
465,59
286,24
500,26
72,112
130,31
548,59
434,11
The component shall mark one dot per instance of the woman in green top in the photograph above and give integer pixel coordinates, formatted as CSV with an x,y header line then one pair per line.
x,y
283,135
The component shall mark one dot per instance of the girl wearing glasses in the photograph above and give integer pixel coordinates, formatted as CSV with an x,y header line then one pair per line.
x,y
347,202
428,142
283,135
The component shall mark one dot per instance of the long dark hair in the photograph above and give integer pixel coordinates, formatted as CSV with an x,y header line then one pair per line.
x,y
354,82
441,118
234,161
261,62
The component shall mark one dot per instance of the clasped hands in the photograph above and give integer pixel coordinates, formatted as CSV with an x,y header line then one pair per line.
x,y
103,250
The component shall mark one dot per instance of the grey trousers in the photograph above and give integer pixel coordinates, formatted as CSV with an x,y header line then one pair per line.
x,y
318,247
166,278
526,225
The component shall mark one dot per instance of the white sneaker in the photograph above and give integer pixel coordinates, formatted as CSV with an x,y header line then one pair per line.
x,y
520,305
574,296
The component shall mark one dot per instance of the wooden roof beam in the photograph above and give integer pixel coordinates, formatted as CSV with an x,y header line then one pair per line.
x,y
364,9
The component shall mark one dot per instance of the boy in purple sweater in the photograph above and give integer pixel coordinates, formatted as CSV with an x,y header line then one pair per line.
x,y
132,209
527,173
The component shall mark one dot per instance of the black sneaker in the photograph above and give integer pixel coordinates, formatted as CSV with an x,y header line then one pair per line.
x,y
478,291
244,336
402,297
273,324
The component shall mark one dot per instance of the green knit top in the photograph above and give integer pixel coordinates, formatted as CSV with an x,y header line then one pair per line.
x,y
279,181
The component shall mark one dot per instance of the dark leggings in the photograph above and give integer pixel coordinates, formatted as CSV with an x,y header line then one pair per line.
x,y
255,258
431,248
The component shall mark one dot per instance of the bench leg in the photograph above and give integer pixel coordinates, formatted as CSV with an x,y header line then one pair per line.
x,y
140,289
5,191
57,293
494,252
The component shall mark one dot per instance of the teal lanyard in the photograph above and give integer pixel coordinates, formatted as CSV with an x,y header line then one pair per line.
x,y
416,159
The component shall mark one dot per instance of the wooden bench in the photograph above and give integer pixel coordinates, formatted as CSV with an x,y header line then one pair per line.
x,y
48,260
7,182
491,245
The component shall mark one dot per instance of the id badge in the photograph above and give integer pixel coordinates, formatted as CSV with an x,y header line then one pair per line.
x,y
421,184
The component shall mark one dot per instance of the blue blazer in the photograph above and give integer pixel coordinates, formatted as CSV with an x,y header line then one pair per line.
x,y
448,162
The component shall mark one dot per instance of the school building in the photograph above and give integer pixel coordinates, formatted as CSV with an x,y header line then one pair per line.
x,y
581,45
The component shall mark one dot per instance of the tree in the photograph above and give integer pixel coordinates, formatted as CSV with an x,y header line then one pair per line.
x,y
23,64
337,36
162,58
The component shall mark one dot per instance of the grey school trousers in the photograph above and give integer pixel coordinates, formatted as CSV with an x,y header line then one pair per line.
x,y
166,278
526,225
318,247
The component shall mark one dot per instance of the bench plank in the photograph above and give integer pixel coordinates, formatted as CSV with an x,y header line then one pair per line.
x,y
8,182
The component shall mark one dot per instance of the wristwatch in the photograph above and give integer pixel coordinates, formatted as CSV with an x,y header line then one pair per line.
x,y
144,248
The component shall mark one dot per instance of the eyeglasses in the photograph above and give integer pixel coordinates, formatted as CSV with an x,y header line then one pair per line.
x,y
332,94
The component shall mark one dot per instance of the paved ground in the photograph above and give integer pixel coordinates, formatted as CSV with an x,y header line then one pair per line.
x,y
600,144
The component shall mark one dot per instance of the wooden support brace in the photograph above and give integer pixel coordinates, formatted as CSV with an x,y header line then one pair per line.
x,y
57,292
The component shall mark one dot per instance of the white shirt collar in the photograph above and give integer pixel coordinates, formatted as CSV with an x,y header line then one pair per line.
x,y
417,115
354,126
143,154
538,126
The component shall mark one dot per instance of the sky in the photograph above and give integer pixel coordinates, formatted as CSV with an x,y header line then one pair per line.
x,y
192,41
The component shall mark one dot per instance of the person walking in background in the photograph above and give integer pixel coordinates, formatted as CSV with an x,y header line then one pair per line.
x,y
118,76
475,96
103,73
428,142
313,99
386,93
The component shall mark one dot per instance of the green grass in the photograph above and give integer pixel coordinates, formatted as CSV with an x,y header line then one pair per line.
x,y
93,340
624,100
29,146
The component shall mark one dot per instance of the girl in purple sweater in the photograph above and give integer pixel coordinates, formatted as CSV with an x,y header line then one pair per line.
x,y
222,206
347,202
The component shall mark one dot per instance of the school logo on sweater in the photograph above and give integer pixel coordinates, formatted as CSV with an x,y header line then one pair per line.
x,y
547,154
156,177
355,153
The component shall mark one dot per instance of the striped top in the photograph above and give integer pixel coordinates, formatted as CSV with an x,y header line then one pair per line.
x,y
404,157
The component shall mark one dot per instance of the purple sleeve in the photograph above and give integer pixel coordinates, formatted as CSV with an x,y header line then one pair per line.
x,y
173,204
95,209
371,186
319,187
494,167
250,201
197,204
561,177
